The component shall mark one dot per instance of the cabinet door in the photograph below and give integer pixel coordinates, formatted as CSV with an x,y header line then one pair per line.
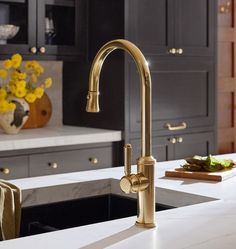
x,y
20,13
59,27
195,26
201,144
150,25
182,91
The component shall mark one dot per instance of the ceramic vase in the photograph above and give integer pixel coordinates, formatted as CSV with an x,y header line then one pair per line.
x,y
12,121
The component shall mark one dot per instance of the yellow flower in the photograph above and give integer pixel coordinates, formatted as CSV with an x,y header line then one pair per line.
x,y
20,84
30,97
16,60
28,65
7,64
22,76
15,75
48,82
20,92
39,91
3,93
3,106
13,88
3,73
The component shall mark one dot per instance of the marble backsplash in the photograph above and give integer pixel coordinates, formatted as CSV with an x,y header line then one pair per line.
x,y
53,69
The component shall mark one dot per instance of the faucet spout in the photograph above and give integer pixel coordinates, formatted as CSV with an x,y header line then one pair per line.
x,y
144,179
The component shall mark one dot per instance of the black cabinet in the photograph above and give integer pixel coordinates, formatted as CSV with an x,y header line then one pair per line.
x,y
178,147
47,28
170,27
183,79
183,92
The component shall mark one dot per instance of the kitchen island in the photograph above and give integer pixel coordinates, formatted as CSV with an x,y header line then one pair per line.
x,y
210,224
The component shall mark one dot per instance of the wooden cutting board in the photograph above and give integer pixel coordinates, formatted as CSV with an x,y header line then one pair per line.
x,y
40,113
209,176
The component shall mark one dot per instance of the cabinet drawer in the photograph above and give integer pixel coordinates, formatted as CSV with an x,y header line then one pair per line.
x,y
69,161
166,148
14,167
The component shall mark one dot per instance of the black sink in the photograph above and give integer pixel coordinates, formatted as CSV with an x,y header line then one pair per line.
x,y
62,215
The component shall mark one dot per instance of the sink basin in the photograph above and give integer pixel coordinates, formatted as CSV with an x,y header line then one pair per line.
x,y
62,215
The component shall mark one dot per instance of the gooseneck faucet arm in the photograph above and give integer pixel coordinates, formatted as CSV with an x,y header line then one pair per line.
x,y
143,181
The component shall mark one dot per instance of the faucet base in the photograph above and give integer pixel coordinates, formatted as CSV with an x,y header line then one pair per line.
x,y
145,225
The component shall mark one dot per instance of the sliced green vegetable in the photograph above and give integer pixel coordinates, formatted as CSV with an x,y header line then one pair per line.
x,y
210,163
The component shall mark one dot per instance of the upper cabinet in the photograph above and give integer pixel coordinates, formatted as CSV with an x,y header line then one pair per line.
x,y
47,28
173,28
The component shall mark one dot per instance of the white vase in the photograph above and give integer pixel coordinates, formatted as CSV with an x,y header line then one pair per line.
x,y
12,121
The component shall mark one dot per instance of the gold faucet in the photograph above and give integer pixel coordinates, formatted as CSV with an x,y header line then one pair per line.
x,y
142,182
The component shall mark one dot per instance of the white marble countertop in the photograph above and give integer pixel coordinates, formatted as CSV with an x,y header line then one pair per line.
x,y
51,136
209,225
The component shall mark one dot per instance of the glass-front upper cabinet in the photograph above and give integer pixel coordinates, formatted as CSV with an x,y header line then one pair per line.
x,y
17,26
58,28
50,29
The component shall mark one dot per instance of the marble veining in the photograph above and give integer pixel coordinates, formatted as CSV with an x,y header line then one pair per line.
x,y
208,225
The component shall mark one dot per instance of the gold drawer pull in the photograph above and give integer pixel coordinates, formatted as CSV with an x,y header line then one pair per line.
x,y
172,140
53,165
180,139
5,171
182,126
93,160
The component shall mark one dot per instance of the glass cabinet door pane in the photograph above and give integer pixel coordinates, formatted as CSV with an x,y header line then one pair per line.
x,y
17,26
13,22
60,23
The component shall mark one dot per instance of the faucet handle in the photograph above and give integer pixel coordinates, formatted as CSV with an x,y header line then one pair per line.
x,y
127,159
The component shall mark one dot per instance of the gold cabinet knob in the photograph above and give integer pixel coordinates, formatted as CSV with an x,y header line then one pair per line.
x,y
179,51
5,171
180,139
172,51
173,140
42,50
93,160
33,50
53,165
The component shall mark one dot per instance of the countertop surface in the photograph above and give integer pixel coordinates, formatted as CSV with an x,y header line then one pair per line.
x,y
56,136
208,225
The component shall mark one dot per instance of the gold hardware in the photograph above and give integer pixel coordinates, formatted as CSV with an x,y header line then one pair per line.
x,y
5,171
131,183
42,50
179,51
225,8
181,126
143,181
33,50
172,51
173,140
93,160
180,139
53,165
